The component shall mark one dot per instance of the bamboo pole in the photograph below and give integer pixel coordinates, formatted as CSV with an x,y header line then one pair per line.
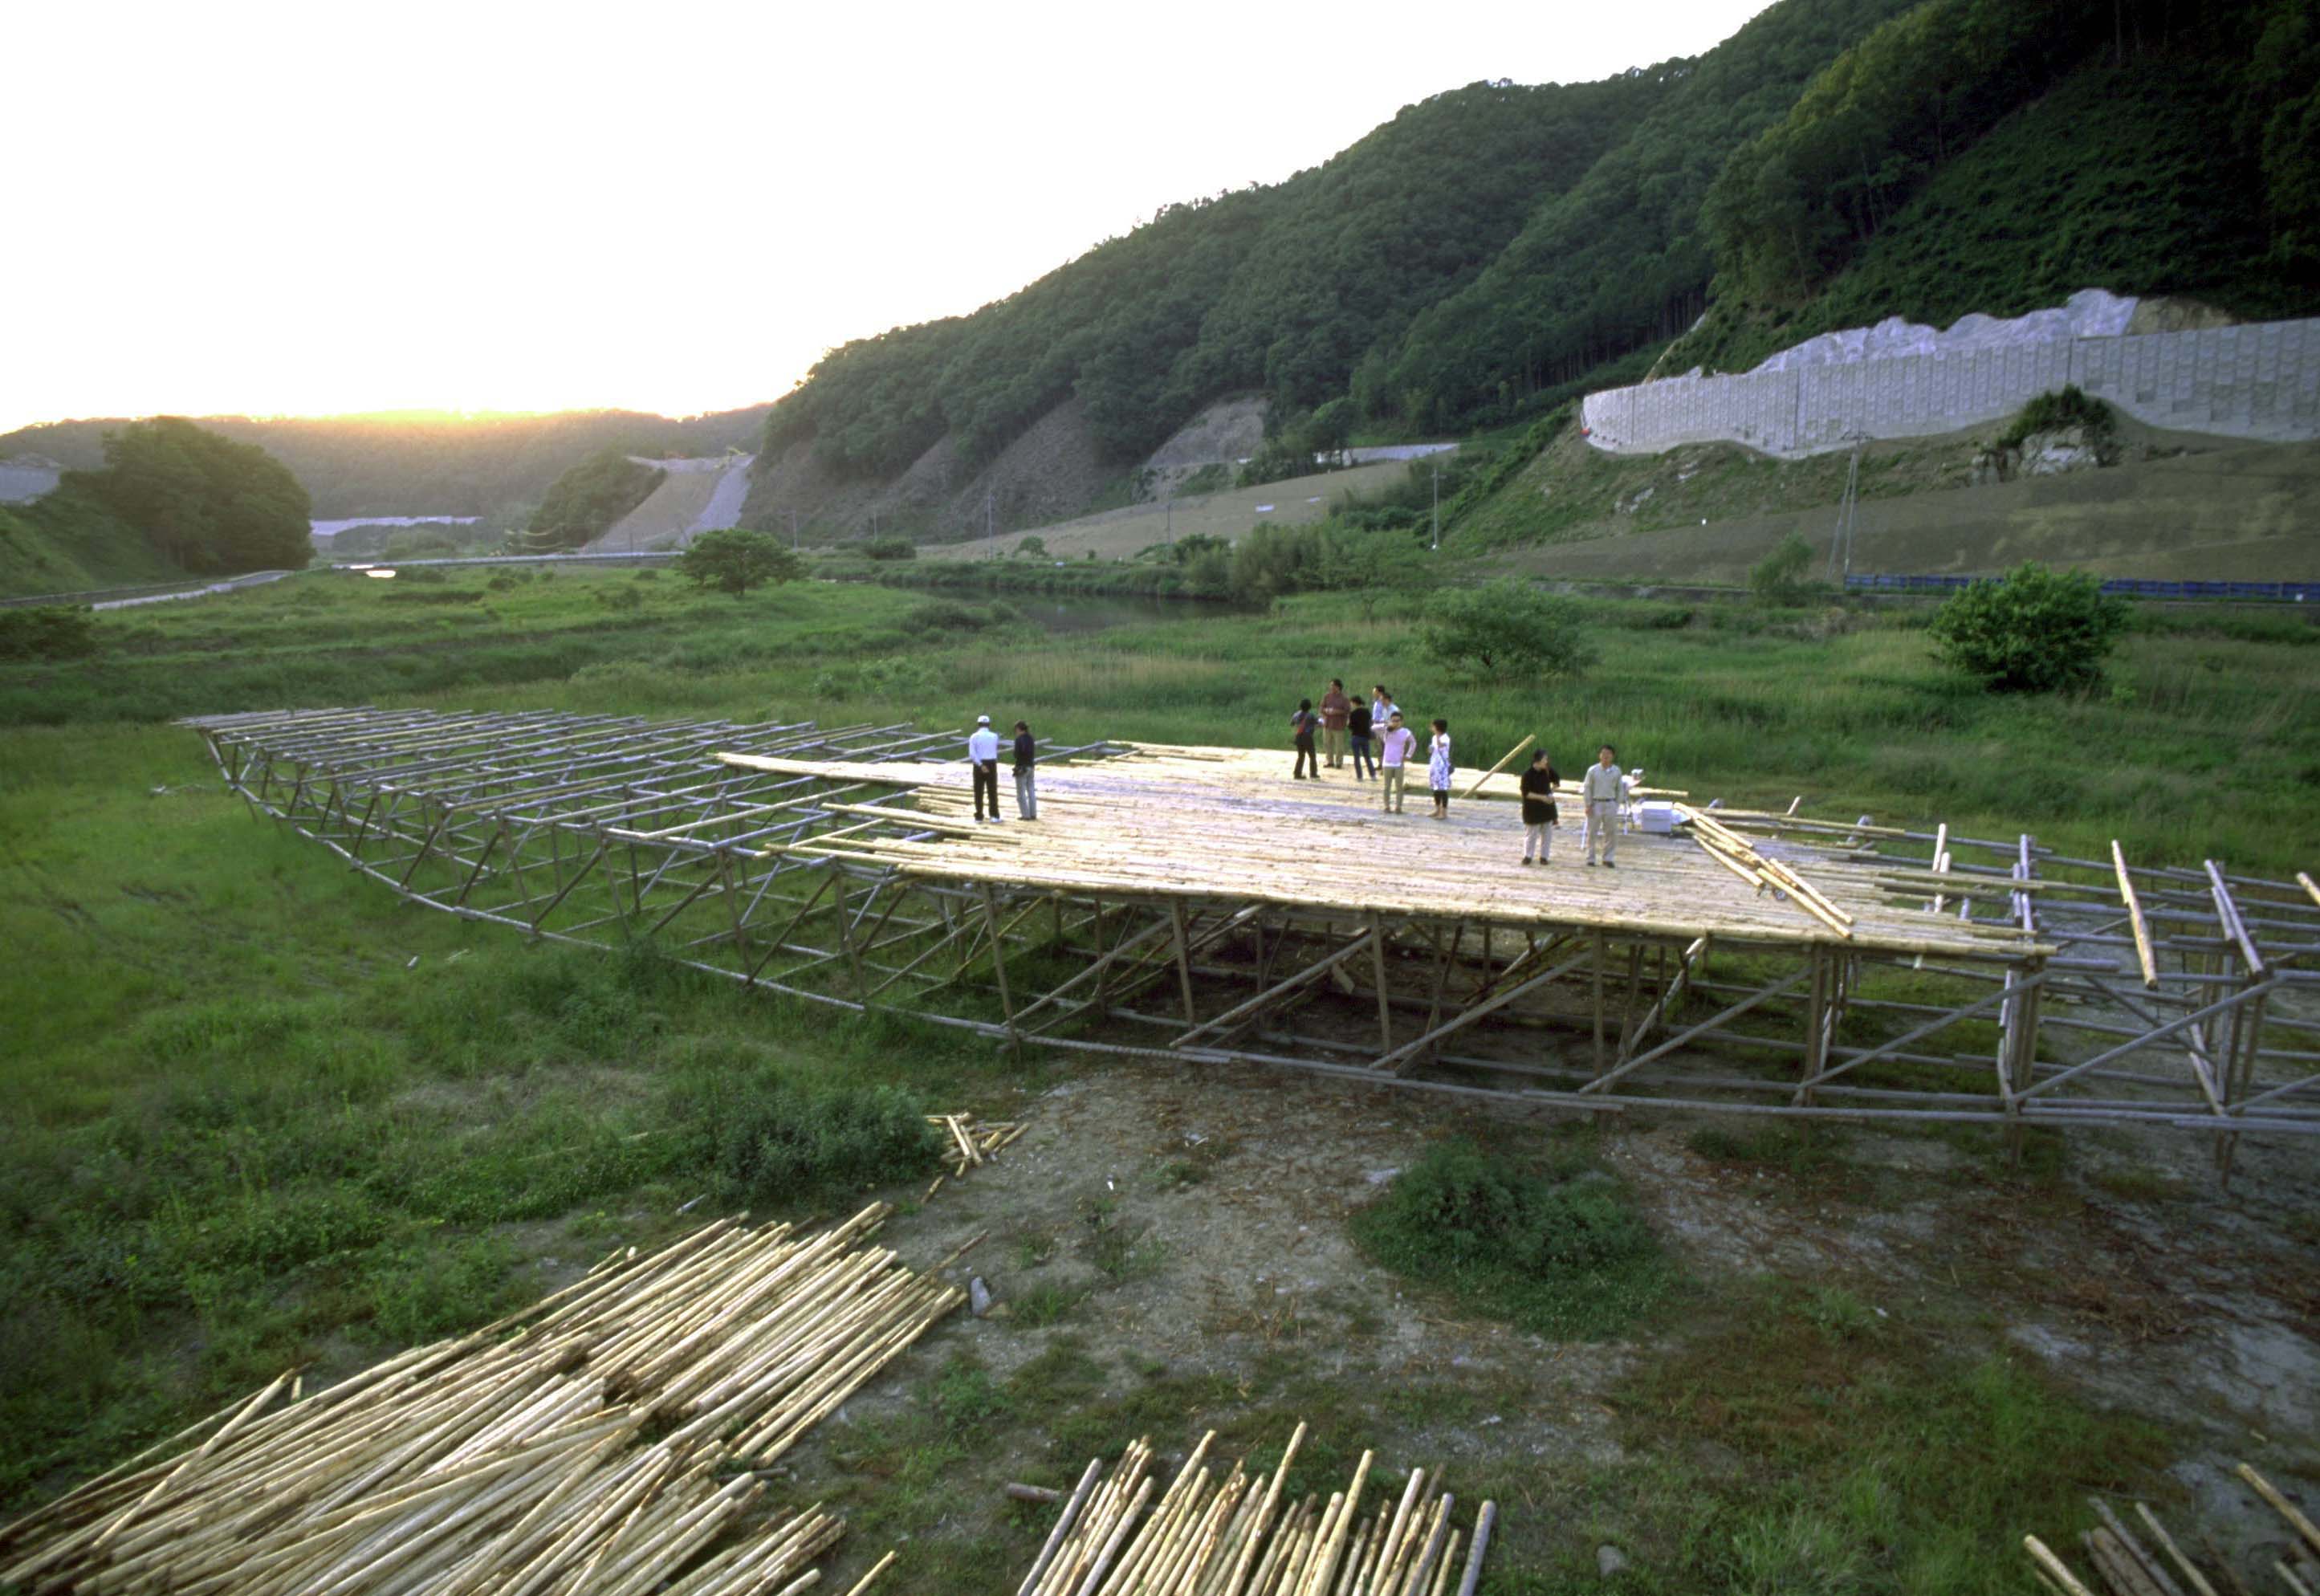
x,y
1505,760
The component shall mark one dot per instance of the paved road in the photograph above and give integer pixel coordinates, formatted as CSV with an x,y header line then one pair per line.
x,y
253,579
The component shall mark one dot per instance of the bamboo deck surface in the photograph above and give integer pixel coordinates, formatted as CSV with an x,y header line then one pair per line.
x,y
1230,822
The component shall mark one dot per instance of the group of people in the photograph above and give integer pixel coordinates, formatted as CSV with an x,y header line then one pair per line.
x,y
1382,747
1382,750
983,758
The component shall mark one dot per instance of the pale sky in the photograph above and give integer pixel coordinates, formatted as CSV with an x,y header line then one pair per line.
x,y
323,207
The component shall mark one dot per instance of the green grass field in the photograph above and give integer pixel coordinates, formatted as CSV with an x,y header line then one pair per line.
x,y
264,1113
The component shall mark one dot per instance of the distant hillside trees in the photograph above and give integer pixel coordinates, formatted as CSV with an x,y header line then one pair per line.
x,y
588,499
427,463
206,503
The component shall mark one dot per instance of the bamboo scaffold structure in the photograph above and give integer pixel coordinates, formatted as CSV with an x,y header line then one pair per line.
x,y
1198,905
609,1439
1230,1533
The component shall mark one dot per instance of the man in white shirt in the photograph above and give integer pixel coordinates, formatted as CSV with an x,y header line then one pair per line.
x,y
983,755
1394,750
1599,790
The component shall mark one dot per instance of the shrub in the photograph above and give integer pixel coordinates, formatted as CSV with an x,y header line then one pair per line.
x,y
2034,631
1506,631
783,1138
1781,576
1557,1247
1034,547
890,548
45,631
734,561
2071,406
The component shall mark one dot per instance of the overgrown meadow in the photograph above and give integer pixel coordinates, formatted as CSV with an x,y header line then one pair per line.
x,y
262,1114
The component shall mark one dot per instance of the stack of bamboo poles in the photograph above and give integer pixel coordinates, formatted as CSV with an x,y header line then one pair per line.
x,y
971,1143
1234,1536
597,1442
2125,1566
1737,854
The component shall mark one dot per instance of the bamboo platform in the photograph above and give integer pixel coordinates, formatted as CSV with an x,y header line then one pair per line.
x,y
1196,905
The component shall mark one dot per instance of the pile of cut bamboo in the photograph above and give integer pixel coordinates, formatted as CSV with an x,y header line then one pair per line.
x,y
971,1143
599,1441
1234,1536
1737,854
2125,1566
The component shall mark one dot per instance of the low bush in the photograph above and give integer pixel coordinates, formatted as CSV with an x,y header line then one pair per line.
x,y
47,632
2070,406
772,1138
1555,1247
1507,632
2037,631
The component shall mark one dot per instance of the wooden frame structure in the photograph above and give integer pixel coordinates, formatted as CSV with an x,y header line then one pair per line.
x,y
1195,905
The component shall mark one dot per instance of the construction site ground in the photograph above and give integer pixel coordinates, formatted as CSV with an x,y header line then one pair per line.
x,y
1167,1250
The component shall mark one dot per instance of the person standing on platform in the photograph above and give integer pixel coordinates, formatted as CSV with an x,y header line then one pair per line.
x,y
1395,749
1599,790
1539,812
983,755
1357,726
1439,767
1301,727
1335,708
1382,708
1027,753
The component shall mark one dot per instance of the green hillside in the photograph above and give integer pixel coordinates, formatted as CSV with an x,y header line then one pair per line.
x,y
67,542
1498,249
2140,176
428,463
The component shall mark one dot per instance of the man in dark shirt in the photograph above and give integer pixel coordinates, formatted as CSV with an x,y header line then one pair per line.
x,y
1301,727
1357,726
1538,785
1027,801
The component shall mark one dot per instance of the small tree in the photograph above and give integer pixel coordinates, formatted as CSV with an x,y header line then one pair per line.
x,y
734,561
2034,631
1034,547
1778,578
1373,566
890,548
1506,631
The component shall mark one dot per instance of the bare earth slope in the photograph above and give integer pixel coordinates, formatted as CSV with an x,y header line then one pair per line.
x,y
693,497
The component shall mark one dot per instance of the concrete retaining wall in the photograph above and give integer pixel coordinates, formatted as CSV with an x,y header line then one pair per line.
x,y
2260,382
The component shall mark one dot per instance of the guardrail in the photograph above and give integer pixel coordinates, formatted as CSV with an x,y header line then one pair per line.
x,y
2128,586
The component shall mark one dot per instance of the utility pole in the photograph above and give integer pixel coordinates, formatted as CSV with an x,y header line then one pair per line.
x,y
987,514
1171,535
793,542
1437,509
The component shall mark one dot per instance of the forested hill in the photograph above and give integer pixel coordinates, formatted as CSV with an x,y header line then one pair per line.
x,y
1496,248
428,463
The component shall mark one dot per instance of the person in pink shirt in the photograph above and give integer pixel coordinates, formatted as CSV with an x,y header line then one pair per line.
x,y
1394,751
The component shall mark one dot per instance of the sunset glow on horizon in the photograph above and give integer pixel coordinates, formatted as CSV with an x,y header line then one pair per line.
x,y
300,210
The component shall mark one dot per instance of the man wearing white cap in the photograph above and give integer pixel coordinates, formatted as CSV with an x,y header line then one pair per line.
x,y
983,755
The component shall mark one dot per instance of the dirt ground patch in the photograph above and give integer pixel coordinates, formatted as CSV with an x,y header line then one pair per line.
x,y
1167,1250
